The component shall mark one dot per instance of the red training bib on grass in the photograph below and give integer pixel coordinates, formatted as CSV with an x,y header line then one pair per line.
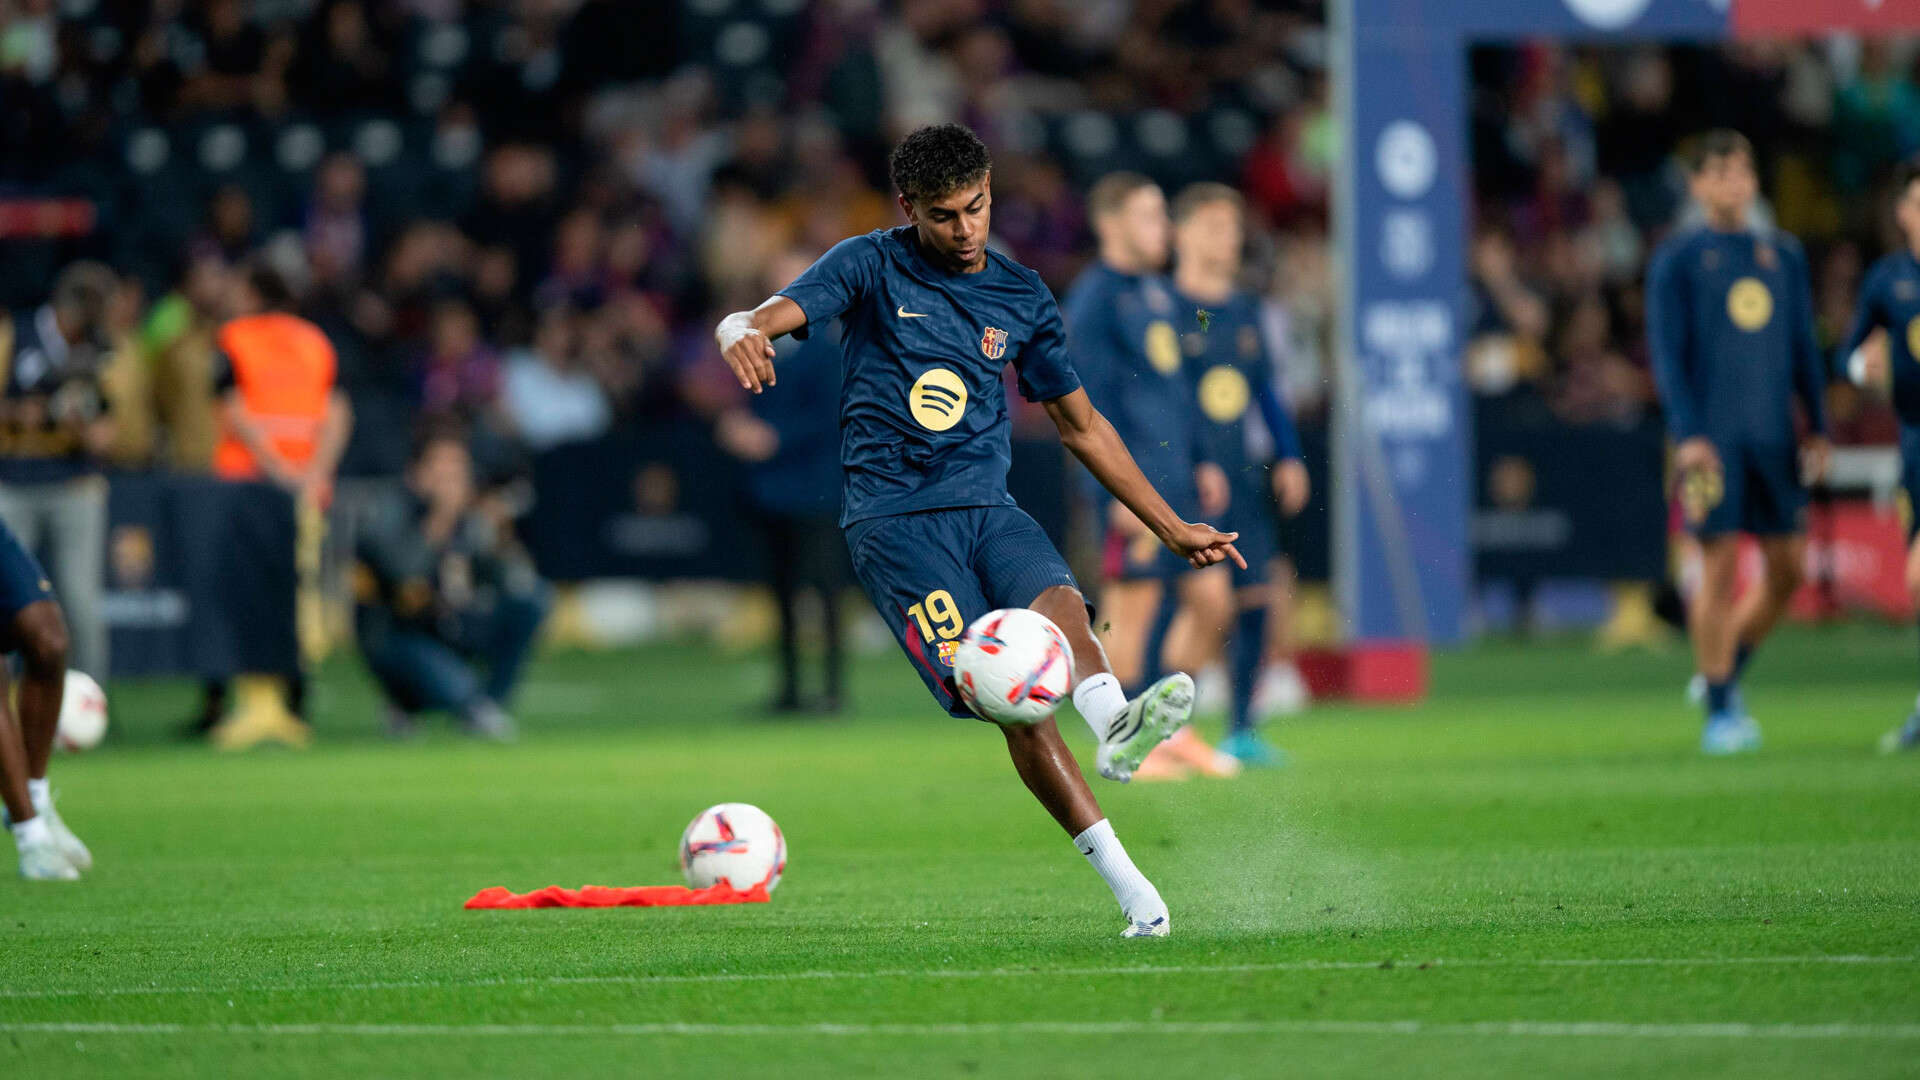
x,y
500,898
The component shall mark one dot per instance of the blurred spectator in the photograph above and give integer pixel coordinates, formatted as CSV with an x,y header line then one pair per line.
x,y
336,222
441,592
176,346
549,397
54,430
459,373
791,441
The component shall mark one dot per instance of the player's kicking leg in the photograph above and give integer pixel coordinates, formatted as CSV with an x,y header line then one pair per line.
x,y
39,633
929,574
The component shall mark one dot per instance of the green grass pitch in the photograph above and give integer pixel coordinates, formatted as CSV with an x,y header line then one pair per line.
x,y
1535,874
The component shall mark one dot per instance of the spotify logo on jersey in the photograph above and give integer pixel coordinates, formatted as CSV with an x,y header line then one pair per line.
x,y
1913,338
937,399
1749,304
1224,394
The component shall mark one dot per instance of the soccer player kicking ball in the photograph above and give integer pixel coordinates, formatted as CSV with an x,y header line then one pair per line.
x,y
31,623
930,319
1730,328
1890,302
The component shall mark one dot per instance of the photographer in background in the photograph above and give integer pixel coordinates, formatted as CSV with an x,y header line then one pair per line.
x,y
54,432
440,592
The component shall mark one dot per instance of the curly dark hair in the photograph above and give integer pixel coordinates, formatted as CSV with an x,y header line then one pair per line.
x,y
937,160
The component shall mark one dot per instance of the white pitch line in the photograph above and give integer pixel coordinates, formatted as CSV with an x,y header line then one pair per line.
x,y
12,993
1601,1029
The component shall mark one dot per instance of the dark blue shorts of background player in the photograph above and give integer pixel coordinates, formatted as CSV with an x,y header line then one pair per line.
x,y
1760,493
930,574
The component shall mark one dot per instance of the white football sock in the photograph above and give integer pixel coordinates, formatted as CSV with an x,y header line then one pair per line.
x,y
1139,900
34,831
1099,699
41,794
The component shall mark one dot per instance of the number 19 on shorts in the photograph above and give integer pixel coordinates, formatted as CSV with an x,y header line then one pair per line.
x,y
938,614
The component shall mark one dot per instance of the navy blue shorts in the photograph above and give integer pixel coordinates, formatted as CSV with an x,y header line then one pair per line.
x,y
932,573
1254,514
1760,493
1910,475
1142,557
22,582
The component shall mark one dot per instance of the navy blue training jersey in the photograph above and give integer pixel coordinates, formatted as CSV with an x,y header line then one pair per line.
x,y
1730,329
923,413
1230,372
1124,332
1890,298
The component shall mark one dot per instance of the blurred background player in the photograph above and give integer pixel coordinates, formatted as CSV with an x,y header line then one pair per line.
x,y
443,591
792,442
37,630
1730,330
931,318
1889,311
283,420
1122,314
55,428
1229,370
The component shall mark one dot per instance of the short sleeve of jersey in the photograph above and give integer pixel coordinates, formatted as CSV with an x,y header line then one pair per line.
x,y
830,286
1044,365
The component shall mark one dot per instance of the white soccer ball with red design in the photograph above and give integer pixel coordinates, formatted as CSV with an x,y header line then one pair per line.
x,y
83,714
733,842
1013,666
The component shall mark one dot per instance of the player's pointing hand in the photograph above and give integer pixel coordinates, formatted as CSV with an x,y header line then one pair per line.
x,y
1203,545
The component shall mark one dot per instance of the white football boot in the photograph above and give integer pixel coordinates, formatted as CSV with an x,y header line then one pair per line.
x,y
64,840
1160,927
42,860
1145,723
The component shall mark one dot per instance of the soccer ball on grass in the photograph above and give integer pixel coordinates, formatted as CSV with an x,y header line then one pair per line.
x,y
733,842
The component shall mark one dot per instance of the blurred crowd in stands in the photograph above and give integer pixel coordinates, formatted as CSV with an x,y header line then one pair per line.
x,y
523,216
1577,181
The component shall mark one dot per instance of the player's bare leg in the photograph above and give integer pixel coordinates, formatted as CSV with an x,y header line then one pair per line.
x,y
39,632
1761,608
1281,691
1196,639
1048,769
1715,631
1710,616
1907,735
1128,608
40,856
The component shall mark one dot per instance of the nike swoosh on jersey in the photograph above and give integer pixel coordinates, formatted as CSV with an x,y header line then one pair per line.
x,y
905,314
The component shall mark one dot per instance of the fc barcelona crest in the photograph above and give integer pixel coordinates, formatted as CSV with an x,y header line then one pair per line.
x,y
994,343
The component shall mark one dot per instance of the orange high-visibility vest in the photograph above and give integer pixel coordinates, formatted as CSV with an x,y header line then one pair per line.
x,y
284,368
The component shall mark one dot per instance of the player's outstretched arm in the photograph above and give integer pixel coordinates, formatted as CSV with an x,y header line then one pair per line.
x,y
1092,439
746,339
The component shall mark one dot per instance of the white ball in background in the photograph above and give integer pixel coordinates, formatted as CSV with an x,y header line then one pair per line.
x,y
83,714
